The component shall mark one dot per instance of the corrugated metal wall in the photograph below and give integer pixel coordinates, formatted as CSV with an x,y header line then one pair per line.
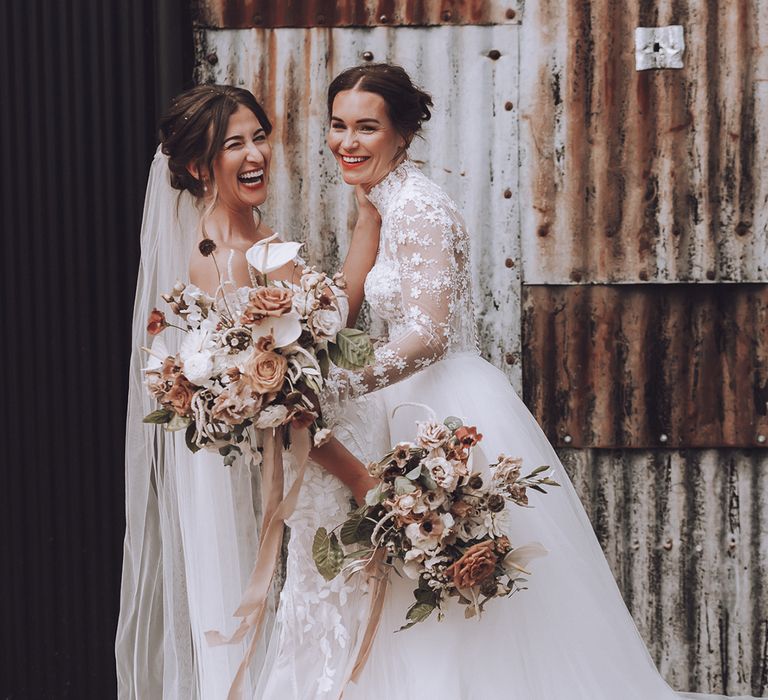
x,y
573,170
78,84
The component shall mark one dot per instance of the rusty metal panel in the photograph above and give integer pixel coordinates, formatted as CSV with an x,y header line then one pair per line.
x,y
657,175
686,535
242,14
648,365
469,146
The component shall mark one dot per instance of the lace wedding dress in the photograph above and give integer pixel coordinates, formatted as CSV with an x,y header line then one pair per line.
x,y
570,636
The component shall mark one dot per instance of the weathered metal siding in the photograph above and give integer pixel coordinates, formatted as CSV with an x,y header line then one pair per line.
x,y
469,146
648,365
685,531
241,14
644,176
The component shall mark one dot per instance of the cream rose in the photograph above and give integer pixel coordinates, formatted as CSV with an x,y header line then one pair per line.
x,y
443,472
324,324
272,416
431,435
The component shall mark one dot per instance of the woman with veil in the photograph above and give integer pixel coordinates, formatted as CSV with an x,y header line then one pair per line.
x,y
192,524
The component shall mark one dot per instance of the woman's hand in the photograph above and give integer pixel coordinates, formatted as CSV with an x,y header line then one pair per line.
x,y
366,483
339,461
365,208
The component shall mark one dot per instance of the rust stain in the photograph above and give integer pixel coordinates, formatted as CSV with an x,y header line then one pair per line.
x,y
243,14
622,366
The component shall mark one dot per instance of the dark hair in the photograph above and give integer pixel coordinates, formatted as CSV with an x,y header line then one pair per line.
x,y
194,127
407,105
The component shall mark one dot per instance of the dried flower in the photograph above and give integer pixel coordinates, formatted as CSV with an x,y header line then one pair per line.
x,y
179,396
206,247
267,301
475,482
496,502
431,435
321,437
476,565
157,322
518,494
468,436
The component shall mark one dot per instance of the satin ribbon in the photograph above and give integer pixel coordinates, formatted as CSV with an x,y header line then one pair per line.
x,y
380,577
276,511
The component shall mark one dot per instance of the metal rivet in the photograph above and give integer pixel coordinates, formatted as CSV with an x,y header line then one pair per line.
x,y
212,58
367,56
663,437
447,16
256,19
494,54
383,19
509,262
635,544
742,229
567,439
321,19
761,439
508,106
698,548
542,231
509,358
510,13
507,194
668,544
711,274
643,275
732,541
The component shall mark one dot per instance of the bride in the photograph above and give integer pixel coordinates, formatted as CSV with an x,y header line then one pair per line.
x,y
570,636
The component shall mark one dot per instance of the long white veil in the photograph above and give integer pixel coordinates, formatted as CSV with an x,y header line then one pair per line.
x,y
191,523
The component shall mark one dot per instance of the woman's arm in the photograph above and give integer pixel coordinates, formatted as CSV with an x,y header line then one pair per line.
x,y
339,461
362,253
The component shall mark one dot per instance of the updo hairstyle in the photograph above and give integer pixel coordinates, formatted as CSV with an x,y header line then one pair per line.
x,y
407,105
194,127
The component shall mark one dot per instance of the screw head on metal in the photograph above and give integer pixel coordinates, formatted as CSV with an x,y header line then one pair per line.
x,y
668,544
663,437
212,58
447,16
507,194
567,439
367,56
494,54
761,439
509,262
383,19
508,106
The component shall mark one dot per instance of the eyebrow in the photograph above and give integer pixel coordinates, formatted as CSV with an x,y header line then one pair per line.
x,y
359,121
239,136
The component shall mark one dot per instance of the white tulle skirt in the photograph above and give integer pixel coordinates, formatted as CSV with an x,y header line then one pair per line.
x,y
568,637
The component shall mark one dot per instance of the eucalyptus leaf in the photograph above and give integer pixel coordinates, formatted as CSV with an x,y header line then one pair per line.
x,y
540,469
536,487
327,553
549,482
158,417
352,350
403,485
177,423
415,473
375,496
453,423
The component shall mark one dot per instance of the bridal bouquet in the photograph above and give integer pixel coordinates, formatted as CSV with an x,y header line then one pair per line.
x,y
255,356
438,522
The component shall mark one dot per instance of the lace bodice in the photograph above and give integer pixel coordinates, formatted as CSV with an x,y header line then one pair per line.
x,y
420,284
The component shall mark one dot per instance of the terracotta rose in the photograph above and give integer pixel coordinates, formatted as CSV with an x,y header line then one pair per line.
x,y
477,565
179,396
267,301
265,371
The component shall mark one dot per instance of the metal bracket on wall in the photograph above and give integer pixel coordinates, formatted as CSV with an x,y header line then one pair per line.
x,y
659,47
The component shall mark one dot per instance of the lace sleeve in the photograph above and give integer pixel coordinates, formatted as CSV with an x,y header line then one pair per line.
x,y
428,256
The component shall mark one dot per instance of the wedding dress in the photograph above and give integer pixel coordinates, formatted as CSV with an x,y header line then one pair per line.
x,y
569,636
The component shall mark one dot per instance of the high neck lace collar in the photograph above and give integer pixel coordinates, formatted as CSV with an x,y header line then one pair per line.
x,y
383,193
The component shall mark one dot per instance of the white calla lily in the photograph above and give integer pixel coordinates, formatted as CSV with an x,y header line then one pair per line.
x,y
516,561
266,256
157,354
285,329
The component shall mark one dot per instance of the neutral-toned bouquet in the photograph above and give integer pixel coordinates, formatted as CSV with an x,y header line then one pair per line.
x,y
254,356
437,521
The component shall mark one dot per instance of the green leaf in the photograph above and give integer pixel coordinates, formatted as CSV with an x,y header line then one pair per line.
x,y
327,553
426,596
540,469
549,482
324,361
352,350
357,528
417,613
189,438
177,423
414,473
536,487
158,417
453,423
403,485
375,496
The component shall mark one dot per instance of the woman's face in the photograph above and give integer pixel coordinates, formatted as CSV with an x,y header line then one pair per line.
x,y
362,138
241,168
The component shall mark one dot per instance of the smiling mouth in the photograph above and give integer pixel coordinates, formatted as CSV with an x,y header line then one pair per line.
x,y
253,178
352,161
